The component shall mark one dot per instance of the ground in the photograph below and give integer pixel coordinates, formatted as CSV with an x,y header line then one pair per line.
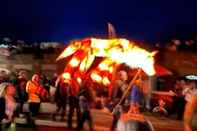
x,y
102,122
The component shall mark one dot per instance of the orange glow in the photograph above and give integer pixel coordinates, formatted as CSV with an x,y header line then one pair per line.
x,y
96,77
123,51
135,57
113,52
106,81
116,50
79,80
72,48
111,68
66,75
74,62
105,64
86,63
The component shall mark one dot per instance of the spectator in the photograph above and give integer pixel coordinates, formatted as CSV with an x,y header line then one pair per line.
x,y
85,113
22,94
73,104
172,47
179,101
7,103
160,108
53,80
61,96
45,83
35,93
190,93
146,94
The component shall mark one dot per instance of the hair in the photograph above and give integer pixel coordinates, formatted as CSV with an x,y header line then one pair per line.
x,y
137,82
3,89
34,76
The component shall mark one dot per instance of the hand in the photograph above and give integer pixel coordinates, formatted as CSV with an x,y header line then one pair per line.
x,y
172,93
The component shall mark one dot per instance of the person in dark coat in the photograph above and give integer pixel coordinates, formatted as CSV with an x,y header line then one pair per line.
x,y
61,95
22,94
73,102
85,113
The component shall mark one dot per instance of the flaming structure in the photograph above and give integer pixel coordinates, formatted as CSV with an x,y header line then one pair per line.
x,y
112,51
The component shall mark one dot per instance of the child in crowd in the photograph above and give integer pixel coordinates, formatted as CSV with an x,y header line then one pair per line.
x,y
160,108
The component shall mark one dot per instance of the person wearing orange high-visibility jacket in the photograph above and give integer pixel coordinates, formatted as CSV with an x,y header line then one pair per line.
x,y
35,93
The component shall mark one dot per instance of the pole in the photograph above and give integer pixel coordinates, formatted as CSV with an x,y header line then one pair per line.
x,y
129,87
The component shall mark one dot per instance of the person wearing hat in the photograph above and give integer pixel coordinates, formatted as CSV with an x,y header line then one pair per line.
x,y
7,103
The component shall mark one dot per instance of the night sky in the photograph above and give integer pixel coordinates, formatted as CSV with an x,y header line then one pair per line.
x,y
63,20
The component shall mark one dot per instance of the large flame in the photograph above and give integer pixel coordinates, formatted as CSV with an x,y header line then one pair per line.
x,y
96,77
74,62
66,75
115,51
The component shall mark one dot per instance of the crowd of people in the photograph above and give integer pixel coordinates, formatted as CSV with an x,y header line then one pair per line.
x,y
12,48
19,90
179,45
16,92
185,101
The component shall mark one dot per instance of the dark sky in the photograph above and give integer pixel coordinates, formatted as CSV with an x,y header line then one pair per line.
x,y
63,20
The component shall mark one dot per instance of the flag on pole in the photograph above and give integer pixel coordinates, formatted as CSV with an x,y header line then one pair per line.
x,y
111,31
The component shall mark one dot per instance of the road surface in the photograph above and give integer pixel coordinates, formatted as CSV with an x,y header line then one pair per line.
x,y
102,122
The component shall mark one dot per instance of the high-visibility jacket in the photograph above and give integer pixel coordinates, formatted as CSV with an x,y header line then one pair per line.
x,y
34,92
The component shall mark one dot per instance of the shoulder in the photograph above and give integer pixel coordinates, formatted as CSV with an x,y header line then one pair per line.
x,y
29,82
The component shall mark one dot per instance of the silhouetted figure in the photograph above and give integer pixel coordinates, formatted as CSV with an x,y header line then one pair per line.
x,y
73,105
85,113
35,93
61,95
